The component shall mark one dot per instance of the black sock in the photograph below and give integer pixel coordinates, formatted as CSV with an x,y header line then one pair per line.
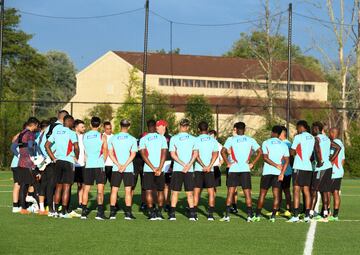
x,y
113,208
211,210
234,206
56,207
159,209
250,212
273,214
100,208
128,209
296,212
336,212
307,212
192,211
150,210
195,209
227,210
64,209
16,204
258,212
172,210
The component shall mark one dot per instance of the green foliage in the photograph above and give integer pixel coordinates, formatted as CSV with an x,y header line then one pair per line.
x,y
103,111
352,152
198,109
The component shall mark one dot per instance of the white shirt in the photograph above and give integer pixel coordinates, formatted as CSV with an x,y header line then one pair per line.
x,y
108,161
81,160
219,158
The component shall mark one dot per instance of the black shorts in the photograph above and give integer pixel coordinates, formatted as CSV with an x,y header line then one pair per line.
x,y
16,174
239,179
269,180
79,172
180,178
152,182
65,172
302,178
168,178
47,177
217,175
204,180
335,184
94,174
25,176
322,180
108,173
138,171
117,178
285,184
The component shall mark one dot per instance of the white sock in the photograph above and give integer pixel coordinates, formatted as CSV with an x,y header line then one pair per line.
x,y
42,207
326,213
311,212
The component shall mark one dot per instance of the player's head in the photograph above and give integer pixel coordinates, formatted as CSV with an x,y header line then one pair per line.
x,y
317,128
107,128
32,124
151,126
203,127
124,125
44,124
61,115
276,131
213,133
161,126
184,125
283,133
333,133
239,128
52,120
302,126
95,122
69,121
79,126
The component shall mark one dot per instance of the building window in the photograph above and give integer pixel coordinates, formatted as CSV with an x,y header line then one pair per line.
x,y
175,82
163,82
187,83
309,88
200,83
224,84
212,84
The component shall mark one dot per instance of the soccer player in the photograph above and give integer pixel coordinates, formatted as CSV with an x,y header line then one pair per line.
x,y
161,128
241,148
184,156
80,163
207,152
302,149
285,184
274,153
25,142
337,172
67,151
122,151
96,150
218,162
153,148
108,163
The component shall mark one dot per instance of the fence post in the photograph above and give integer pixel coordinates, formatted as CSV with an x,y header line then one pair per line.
x,y
217,118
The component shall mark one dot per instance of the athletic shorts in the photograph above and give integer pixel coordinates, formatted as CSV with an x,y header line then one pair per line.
x,y
16,174
302,178
117,178
285,184
65,172
138,171
25,176
94,174
269,180
152,182
217,176
79,172
335,184
168,178
204,180
178,179
108,173
322,180
239,179
46,179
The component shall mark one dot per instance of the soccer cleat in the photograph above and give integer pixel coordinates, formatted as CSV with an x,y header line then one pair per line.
x,y
332,218
234,210
30,199
210,218
74,214
112,215
172,217
317,217
256,219
24,212
293,219
83,217
65,216
43,213
307,219
129,216
143,207
51,214
100,216
272,219
225,219
159,216
270,213
323,220
287,213
152,216
192,219
16,209
56,215
251,219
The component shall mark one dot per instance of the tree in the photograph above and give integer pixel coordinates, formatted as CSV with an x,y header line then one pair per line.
x,y
198,109
103,111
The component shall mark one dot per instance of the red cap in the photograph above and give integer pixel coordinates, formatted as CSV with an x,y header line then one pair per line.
x,y
144,134
161,123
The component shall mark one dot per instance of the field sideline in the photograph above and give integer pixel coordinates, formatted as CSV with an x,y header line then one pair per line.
x,y
35,234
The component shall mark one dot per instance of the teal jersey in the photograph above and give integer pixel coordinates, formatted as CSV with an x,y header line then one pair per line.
x,y
183,144
241,148
303,144
153,143
64,138
289,168
276,150
123,144
337,164
93,147
40,142
205,145
325,145
53,146
14,161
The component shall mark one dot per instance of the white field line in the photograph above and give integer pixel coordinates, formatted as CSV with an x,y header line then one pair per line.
x,y
310,237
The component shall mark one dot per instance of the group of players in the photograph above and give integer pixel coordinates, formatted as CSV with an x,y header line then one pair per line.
x,y
50,156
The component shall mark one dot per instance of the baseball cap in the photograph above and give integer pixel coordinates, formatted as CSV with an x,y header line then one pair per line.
x,y
161,123
185,122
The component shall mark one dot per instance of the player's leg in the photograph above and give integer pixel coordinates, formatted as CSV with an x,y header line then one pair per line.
x,y
276,204
160,185
232,181
129,184
100,201
16,189
209,184
307,195
85,199
167,191
113,199
245,179
189,185
260,203
177,179
199,183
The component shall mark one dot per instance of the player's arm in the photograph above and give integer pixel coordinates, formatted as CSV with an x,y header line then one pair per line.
x,y
112,157
187,166
49,151
318,152
175,157
270,162
283,170
256,159
146,159
76,150
337,150
198,159
130,159
105,148
162,158
224,154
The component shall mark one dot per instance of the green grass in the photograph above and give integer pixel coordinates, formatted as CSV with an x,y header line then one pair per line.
x,y
34,234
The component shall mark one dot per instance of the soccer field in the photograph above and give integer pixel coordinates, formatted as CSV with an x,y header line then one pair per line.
x,y
33,234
